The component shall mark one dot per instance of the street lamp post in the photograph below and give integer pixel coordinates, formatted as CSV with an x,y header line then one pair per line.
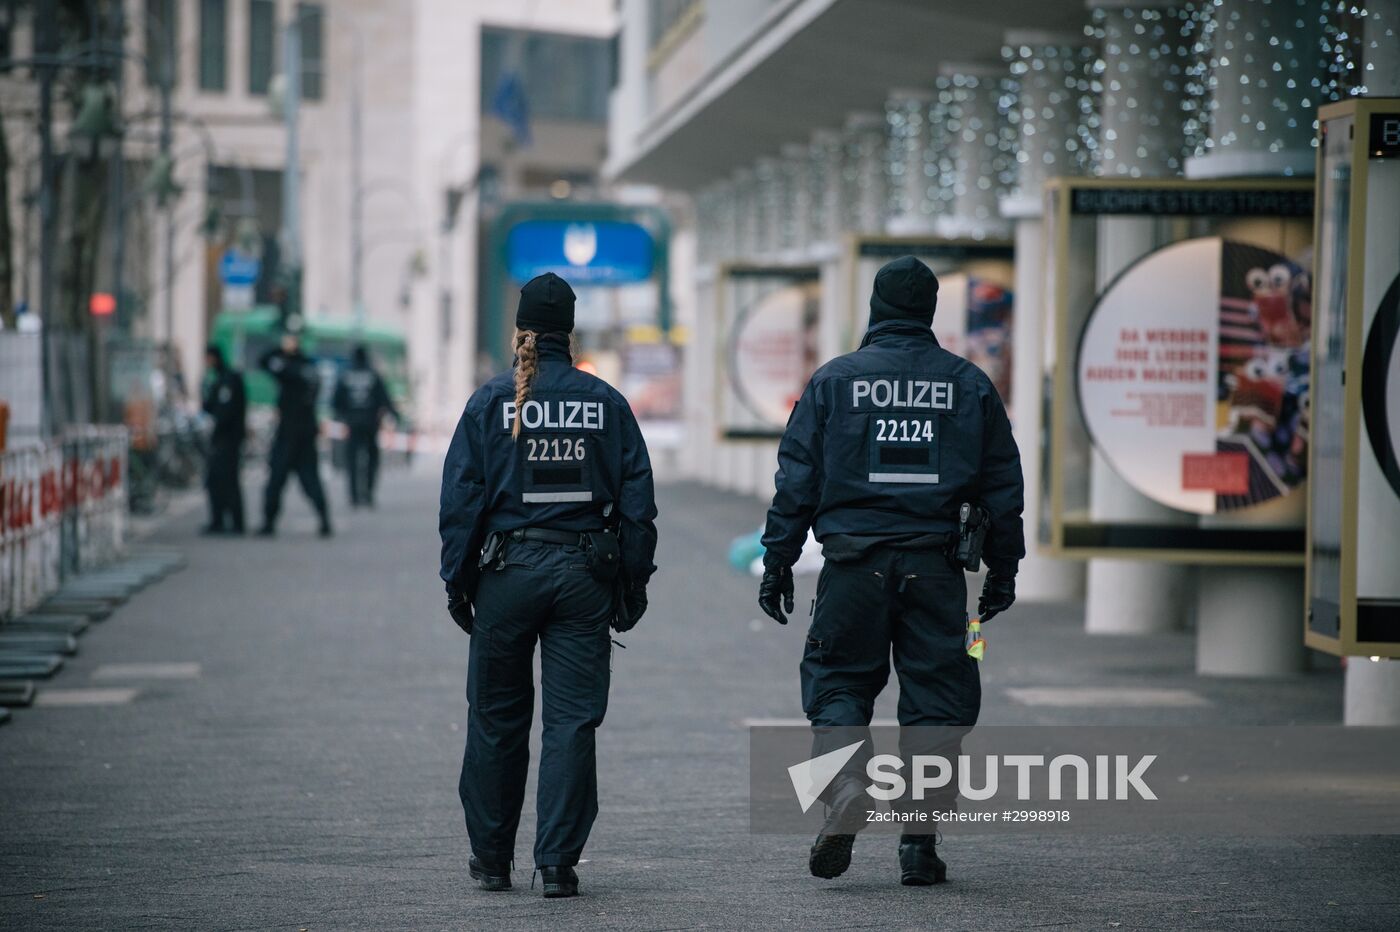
x,y
46,28
357,210
291,175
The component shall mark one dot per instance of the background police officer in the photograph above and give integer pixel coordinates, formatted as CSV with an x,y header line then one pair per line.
x,y
227,404
294,444
547,461
882,449
360,402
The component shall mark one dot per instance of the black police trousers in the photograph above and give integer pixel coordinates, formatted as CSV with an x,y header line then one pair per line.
x,y
911,605
221,481
543,594
362,463
293,451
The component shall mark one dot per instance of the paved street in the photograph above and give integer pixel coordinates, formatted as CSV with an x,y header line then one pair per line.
x,y
293,764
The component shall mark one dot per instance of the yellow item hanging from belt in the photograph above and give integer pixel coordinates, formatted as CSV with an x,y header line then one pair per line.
x,y
976,646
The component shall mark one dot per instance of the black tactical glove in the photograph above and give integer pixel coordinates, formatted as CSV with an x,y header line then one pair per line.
x,y
460,608
776,583
998,592
634,606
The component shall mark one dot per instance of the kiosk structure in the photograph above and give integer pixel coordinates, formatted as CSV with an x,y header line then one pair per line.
x,y
1353,587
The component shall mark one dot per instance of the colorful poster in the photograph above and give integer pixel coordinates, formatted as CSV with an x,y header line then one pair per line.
x,y
772,347
1193,375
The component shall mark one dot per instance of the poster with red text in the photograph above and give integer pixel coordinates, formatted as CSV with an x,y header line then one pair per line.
x,y
1193,375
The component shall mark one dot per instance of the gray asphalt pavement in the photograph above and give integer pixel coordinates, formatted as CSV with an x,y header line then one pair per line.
x,y
303,775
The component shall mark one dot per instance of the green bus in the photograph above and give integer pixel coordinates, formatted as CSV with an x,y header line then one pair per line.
x,y
245,335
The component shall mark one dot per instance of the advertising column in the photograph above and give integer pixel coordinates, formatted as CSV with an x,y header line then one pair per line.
x,y
1353,597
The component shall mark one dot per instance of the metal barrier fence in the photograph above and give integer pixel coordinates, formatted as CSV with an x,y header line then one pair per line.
x,y
62,511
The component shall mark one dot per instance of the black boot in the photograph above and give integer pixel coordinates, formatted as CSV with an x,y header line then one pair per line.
x,y
831,852
919,863
559,881
493,877
267,530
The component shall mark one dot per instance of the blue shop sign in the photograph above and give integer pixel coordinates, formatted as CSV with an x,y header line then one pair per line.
x,y
236,268
589,252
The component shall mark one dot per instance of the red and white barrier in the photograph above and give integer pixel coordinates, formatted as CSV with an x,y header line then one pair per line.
x,y
63,511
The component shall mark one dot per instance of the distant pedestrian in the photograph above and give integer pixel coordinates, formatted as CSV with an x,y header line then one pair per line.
x,y
548,533
227,403
294,445
361,401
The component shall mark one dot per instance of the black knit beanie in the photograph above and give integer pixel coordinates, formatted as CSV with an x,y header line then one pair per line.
x,y
546,305
904,289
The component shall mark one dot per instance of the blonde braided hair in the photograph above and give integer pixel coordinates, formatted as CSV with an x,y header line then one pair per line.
x,y
527,363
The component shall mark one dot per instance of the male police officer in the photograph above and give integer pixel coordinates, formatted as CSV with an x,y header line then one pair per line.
x,y
294,445
226,402
882,450
360,401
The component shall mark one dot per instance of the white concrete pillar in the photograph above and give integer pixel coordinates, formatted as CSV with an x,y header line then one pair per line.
x,y
1249,621
1380,54
911,162
865,189
1140,136
828,191
976,153
1129,596
1267,74
1372,694
1054,72
1041,578
1267,77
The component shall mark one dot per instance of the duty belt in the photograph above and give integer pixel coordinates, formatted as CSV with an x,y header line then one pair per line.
x,y
549,536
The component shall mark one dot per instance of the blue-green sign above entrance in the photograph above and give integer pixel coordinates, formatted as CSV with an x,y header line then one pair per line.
x,y
584,252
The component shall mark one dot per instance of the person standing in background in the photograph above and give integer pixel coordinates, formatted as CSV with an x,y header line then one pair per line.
x,y
227,403
294,444
360,402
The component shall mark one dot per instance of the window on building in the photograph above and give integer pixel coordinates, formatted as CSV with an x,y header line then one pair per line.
x,y
564,77
213,45
162,46
312,18
262,44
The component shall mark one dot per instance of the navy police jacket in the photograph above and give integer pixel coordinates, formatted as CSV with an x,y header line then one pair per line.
x,y
579,451
887,442
226,402
298,387
361,398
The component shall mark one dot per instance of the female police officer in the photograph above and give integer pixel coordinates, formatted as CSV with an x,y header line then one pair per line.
x,y
547,523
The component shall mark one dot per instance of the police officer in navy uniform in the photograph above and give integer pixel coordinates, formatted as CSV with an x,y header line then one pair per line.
x,y
548,532
294,444
881,452
226,402
360,402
